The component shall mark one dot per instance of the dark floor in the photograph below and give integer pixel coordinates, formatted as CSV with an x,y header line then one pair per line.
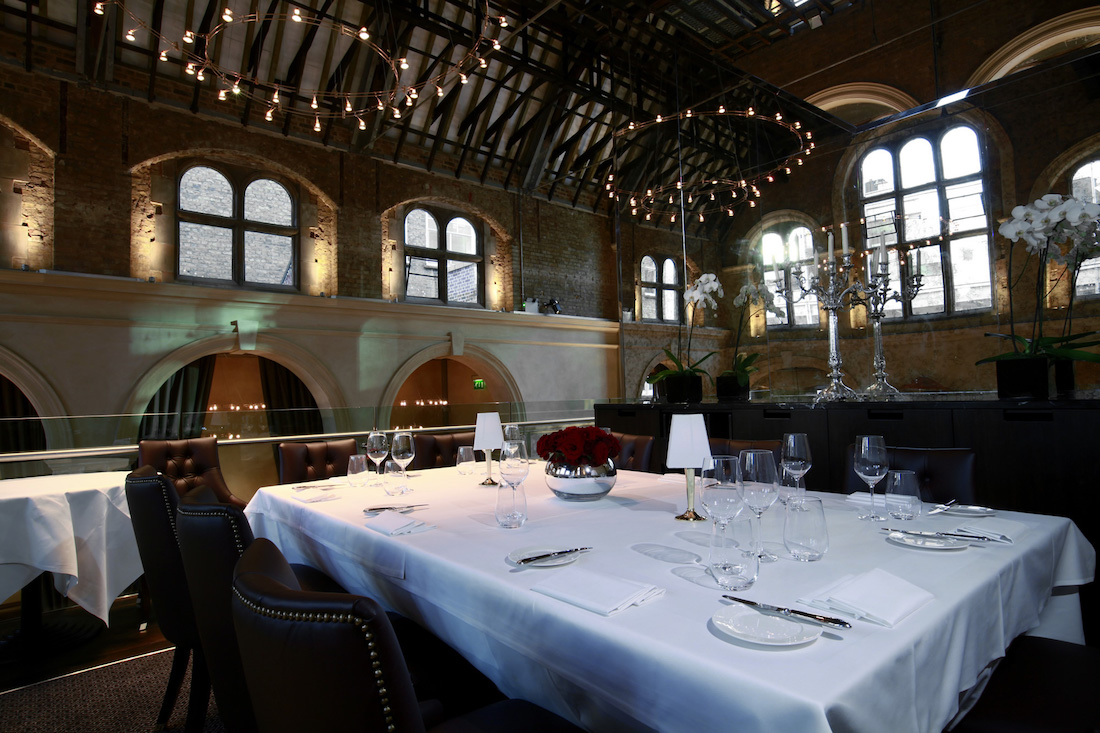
x,y
71,639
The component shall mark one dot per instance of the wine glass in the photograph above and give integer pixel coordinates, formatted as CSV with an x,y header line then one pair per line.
x,y
378,447
403,450
721,497
796,462
357,470
511,509
759,487
871,463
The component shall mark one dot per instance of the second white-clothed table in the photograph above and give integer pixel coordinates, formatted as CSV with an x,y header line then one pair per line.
x,y
664,665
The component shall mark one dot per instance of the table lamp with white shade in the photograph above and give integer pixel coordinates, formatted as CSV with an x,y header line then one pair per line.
x,y
488,437
689,449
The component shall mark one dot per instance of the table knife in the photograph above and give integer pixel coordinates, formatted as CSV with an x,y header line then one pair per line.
x,y
547,555
402,508
941,507
953,535
832,623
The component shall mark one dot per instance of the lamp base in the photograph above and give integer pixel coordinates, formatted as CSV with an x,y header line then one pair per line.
x,y
691,516
489,482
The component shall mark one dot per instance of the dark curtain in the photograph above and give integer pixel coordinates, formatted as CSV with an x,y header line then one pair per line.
x,y
291,409
20,428
178,409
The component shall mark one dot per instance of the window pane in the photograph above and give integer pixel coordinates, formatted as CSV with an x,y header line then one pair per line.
x,y
970,272
922,215
770,282
802,244
772,248
206,191
877,173
268,259
1086,183
670,310
930,297
269,202
669,276
881,224
649,271
1088,279
649,302
959,149
206,251
806,312
462,282
893,308
461,237
965,207
422,278
917,166
421,230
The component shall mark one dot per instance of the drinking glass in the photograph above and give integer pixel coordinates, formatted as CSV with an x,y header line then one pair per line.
x,y
721,499
720,495
903,499
466,460
378,447
403,450
796,463
357,471
871,463
804,533
759,487
393,478
733,562
512,432
511,509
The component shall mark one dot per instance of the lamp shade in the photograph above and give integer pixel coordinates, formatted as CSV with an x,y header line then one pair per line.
x,y
688,445
488,434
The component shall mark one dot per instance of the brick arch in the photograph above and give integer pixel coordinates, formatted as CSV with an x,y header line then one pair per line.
x,y
33,212
46,402
1054,173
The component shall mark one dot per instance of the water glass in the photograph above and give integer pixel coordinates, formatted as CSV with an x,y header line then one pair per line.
x,y
357,471
903,498
466,460
804,533
512,432
393,478
733,562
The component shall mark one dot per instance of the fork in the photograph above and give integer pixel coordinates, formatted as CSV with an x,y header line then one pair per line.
x,y
941,507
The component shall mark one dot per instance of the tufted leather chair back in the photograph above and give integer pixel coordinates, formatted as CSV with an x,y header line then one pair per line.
x,y
212,538
190,464
435,450
636,452
310,461
734,446
317,661
943,473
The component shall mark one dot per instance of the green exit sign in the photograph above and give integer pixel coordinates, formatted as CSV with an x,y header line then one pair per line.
x,y
479,383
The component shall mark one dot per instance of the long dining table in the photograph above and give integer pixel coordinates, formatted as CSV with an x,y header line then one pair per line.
x,y
666,665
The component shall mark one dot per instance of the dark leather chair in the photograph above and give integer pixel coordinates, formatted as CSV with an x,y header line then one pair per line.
x,y
943,473
635,452
435,450
311,461
331,661
212,538
734,446
1041,686
152,499
190,463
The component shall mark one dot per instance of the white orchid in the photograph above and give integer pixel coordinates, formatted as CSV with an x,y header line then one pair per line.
x,y
753,293
703,290
1052,220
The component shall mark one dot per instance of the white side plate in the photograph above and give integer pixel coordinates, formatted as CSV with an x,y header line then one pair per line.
x,y
927,543
969,511
524,552
746,624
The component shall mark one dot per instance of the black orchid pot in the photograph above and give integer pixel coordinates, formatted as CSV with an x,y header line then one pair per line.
x,y
683,387
1035,378
730,389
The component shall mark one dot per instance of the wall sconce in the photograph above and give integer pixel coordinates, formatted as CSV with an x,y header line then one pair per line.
x,y
550,306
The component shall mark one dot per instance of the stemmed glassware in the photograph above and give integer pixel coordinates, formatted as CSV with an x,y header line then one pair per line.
x,y
759,487
871,464
378,447
796,463
511,509
732,567
403,450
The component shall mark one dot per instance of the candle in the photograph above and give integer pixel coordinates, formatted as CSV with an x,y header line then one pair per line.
x,y
916,262
775,268
844,239
830,245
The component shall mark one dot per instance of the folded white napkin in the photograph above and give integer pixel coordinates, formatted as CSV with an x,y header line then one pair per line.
x,y
313,499
597,592
394,523
1001,530
875,596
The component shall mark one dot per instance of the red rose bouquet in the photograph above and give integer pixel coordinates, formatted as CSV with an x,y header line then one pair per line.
x,y
577,446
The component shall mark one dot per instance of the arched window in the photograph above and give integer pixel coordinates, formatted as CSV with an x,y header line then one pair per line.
x,y
925,197
661,288
1085,186
448,272
236,226
786,249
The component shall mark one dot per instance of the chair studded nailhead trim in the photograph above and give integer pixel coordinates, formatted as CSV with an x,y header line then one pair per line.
x,y
343,618
219,512
164,496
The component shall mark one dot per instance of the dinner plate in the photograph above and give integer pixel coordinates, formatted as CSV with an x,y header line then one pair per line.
x,y
746,624
966,510
524,552
927,543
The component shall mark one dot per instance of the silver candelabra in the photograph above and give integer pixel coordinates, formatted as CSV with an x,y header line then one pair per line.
x,y
874,297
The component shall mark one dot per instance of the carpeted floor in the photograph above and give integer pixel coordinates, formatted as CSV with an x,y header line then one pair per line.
x,y
122,697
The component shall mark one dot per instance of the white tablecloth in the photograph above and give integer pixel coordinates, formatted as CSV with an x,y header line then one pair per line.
x,y
664,666
76,526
